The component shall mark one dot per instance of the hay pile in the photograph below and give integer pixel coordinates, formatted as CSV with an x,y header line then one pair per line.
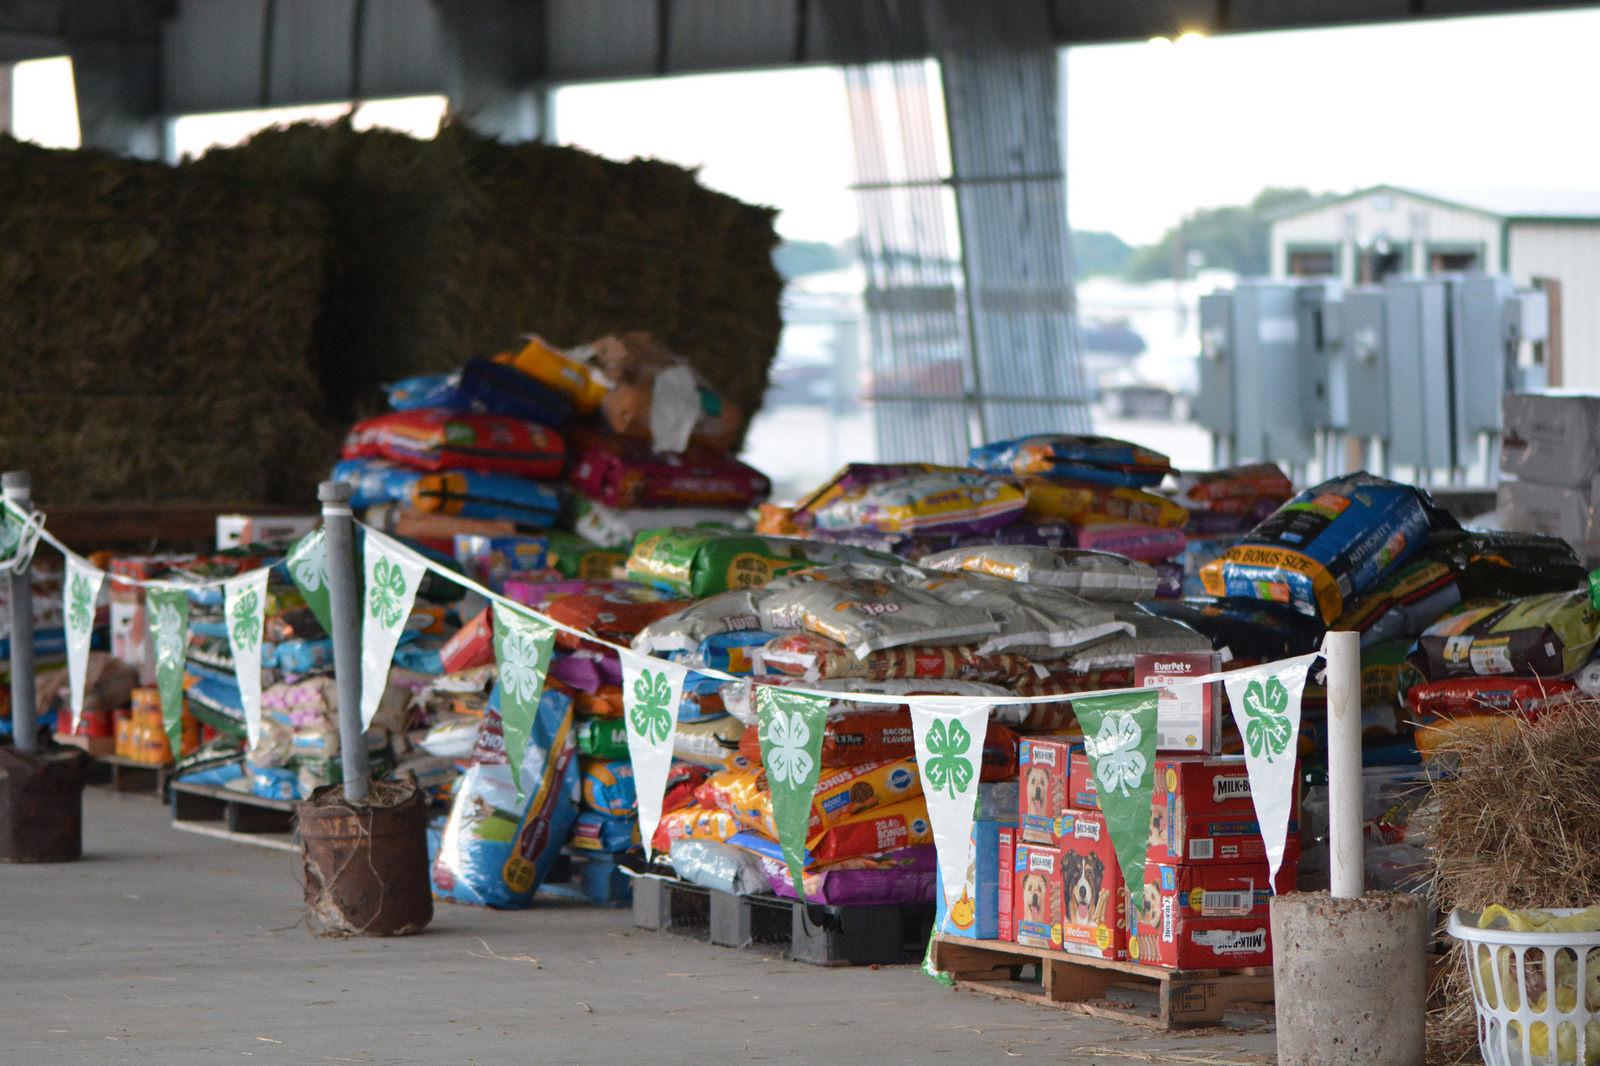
x,y
1519,824
455,247
207,332
157,326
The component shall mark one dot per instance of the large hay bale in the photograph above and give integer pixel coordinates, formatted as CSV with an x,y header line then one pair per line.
x,y
157,326
454,247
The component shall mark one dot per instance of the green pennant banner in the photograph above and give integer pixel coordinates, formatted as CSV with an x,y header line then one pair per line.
x,y
790,728
522,655
1119,735
168,620
308,567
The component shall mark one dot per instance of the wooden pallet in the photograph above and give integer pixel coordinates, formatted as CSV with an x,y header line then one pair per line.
x,y
1126,991
238,816
821,935
126,775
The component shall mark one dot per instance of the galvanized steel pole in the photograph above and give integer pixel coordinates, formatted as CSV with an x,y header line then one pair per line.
x,y
18,488
345,610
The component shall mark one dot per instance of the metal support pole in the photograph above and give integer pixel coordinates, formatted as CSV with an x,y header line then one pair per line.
x,y
1347,876
345,609
18,487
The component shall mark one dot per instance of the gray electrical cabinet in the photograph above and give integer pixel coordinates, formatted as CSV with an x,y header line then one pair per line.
x,y
1213,405
1421,387
1489,321
1361,403
1272,423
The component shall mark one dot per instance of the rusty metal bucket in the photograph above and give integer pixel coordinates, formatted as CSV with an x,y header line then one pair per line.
x,y
41,805
366,865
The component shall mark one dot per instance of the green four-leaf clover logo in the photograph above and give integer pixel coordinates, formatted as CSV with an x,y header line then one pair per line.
x,y
387,596
522,655
947,767
80,616
651,716
1267,730
246,622
1119,763
788,762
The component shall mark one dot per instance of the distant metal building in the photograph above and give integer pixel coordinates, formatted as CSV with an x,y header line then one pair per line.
x,y
1534,237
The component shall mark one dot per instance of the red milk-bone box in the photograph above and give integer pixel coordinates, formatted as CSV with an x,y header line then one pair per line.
x,y
1042,767
1206,917
1202,812
1037,896
1095,909
1008,858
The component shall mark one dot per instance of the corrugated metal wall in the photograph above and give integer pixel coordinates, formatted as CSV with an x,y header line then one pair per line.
x,y
1571,252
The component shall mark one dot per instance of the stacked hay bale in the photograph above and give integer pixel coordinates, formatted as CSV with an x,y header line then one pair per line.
x,y
455,247
158,327
205,332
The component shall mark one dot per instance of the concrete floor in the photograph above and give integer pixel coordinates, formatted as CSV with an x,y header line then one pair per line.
x,y
166,947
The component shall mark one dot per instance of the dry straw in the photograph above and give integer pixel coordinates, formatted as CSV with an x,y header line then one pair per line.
x,y
1519,824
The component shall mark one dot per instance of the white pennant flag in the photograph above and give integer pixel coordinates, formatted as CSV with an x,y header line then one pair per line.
x,y
392,580
949,745
1266,708
651,690
79,595
244,609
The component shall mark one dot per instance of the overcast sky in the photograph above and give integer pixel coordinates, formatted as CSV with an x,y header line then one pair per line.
x,y
1155,131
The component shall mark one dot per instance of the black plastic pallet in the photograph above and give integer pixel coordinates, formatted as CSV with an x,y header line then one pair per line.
x,y
238,816
126,775
815,933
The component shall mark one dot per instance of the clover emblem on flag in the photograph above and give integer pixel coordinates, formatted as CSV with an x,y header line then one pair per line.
x,y
245,620
947,767
521,656
386,598
1119,764
788,761
80,615
1266,707
650,716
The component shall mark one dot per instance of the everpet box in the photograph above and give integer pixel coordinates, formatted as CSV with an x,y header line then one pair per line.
x,y
1042,769
1189,717
1037,901
1202,812
1095,920
1206,917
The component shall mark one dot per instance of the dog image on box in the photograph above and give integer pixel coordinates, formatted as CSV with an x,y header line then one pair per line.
x,y
1038,906
1096,908
1043,767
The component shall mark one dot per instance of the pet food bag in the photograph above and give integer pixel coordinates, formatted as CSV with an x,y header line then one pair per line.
x,y
1084,501
693,822
1103,460
1325,547
656,396
1093,575
627,474
497,848
431,438
867,615
1542,636
809,656
1147,544
455,492
699,562
608,787
942,502
540,360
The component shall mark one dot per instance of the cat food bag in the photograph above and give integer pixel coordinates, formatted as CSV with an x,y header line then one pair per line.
x,y
1543,636
944,502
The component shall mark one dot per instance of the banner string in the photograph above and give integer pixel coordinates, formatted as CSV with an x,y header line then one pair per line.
x,y
35,521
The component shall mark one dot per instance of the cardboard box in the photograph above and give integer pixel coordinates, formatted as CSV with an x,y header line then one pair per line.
x,y
1037,895
979,917
1007,847
130,631
1206,917
1202,812
1551,437
1042,768
1095,921
238,530
1188,718
1081,792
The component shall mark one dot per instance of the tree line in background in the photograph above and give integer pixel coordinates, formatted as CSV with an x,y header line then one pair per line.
x,y
1236,237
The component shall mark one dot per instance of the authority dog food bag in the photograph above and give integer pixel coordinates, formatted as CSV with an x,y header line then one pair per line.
x,y
430,438
1094,575
1325,547
1543,636
496,849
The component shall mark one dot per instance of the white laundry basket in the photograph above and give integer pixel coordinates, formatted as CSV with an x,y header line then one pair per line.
x,y
1521,965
